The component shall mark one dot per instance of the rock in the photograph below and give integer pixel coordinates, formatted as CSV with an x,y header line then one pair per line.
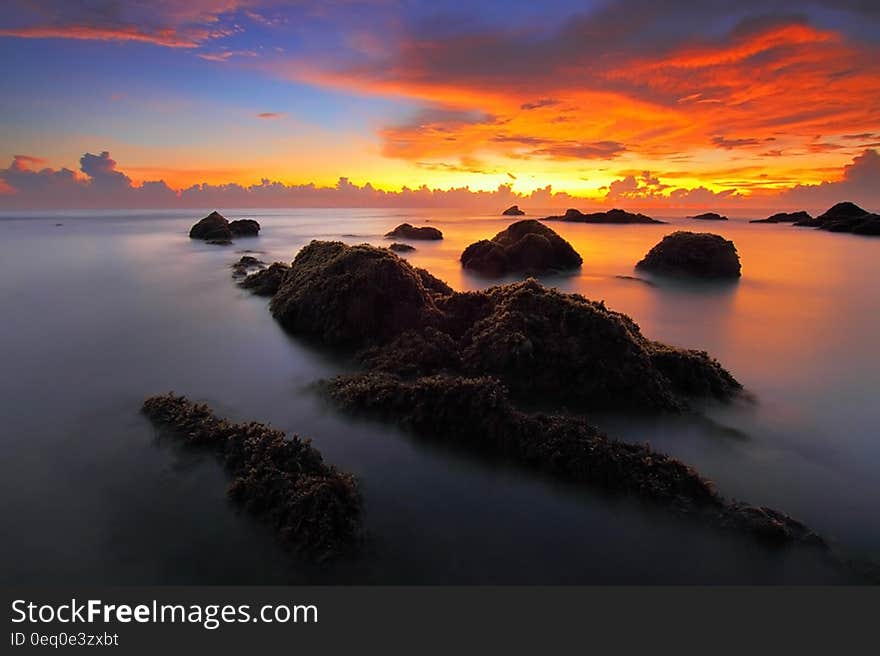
x,y
401,248
785,217
709,216
513,210
531,337
698,254
246,265
845,217
213,228
314,508
353,296
409,231
615,216
266,281
244,228
219,242
477,413
526,246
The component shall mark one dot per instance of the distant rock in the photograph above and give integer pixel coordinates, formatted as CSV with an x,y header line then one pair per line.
x,y
409,231
846,217
697,254
526,246
213,228
216,229
709,216
785,217
513,210
244,228
401,248
614,217
266,281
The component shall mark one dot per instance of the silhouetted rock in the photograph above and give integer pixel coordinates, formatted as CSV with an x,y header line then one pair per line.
x,y
846,217
614,216
266,281
709,216
353,296
409,231
526,246
476,413
314,508
513,210
698,254
401,248
213,228
785,217
219,242
246,265
244,228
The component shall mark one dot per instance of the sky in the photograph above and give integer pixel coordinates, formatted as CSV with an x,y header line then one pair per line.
x,y
631,103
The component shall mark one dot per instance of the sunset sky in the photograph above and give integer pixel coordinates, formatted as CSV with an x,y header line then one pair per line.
x,y
632,103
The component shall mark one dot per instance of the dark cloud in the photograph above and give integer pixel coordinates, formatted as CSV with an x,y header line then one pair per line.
x,y
543,102
860,184
730,144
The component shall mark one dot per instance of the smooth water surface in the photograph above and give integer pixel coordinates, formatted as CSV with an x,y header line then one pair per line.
x,y
111,307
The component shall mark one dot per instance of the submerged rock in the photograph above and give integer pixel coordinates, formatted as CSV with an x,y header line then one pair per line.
x,y
213,228
526,246
709,216
245,265
314,508
266,281
244,228
615,216
785,217
513,210
401,248
476,413
845,217
698,254
409,231
219,242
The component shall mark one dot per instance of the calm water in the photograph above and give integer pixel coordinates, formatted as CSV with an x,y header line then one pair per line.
x,y
111,307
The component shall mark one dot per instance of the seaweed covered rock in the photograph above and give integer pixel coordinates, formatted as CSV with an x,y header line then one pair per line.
x,y
709,216
314,508
785,217
401,248
845,217
698,254
266,281
409,231
544,345
244,228
354,296
213,227
550,347
477,413
513,210
613,217
526,246
245,265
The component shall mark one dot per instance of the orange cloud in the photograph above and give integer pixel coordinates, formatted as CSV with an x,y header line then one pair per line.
x,y
561,106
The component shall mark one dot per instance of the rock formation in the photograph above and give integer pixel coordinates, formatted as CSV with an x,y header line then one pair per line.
x,y
696,254
314,508
526,246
